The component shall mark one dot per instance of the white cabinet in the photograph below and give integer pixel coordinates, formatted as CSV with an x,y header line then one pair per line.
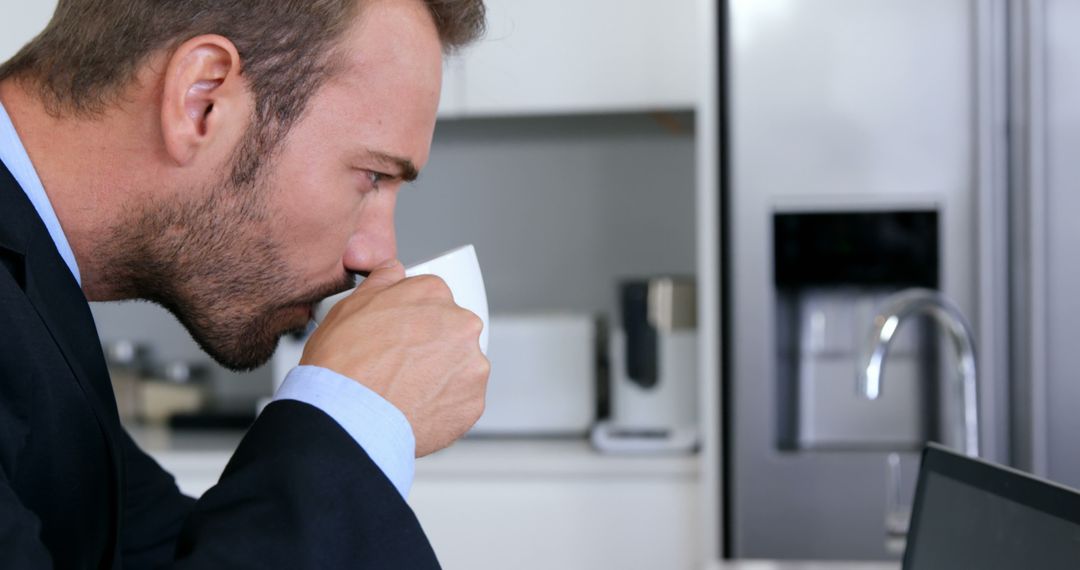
x,y
539,505
539,57
577,56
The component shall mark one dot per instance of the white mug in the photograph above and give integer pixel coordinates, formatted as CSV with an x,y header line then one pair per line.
x,y
460,269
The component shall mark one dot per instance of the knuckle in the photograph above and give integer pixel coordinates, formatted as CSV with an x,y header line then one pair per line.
x,y
476,324
469,324
483,369
433,285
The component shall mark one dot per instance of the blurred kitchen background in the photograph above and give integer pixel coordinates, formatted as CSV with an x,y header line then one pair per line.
x,y
689,215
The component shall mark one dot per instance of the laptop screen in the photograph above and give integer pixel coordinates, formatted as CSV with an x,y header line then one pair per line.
x,y
972,514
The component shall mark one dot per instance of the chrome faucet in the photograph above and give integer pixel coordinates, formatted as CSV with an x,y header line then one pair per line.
x,y
925,301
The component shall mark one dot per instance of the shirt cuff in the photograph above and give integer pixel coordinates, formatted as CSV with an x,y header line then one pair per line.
x,y
376,425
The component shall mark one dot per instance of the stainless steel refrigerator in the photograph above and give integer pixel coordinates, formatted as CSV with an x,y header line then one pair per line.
x,y
871,146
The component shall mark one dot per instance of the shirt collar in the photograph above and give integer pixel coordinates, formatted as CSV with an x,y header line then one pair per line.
x,y
13,155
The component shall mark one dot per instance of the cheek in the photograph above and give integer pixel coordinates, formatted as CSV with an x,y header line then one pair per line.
x,y
324,196
315,222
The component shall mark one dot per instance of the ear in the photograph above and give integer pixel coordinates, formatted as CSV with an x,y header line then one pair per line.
x,y
204,100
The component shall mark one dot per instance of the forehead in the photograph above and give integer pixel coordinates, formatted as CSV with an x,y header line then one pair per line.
x,y
386,92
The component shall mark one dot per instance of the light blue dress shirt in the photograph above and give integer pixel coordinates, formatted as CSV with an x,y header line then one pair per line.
x,y
376,425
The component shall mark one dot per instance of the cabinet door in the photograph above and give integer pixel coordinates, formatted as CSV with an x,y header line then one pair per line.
x,y
560,522
570,56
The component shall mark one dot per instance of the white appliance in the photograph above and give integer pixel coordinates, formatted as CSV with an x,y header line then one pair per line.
x,y
543,376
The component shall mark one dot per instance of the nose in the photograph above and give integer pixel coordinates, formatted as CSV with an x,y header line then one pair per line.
x,y
374,240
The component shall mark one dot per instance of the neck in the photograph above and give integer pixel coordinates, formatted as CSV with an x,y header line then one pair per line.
x,y
90,168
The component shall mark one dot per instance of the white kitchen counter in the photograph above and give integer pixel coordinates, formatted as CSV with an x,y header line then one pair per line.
x,y
547,458
517,503
530,503
204,455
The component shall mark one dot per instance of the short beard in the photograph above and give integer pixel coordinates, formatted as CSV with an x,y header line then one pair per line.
x,y
214,264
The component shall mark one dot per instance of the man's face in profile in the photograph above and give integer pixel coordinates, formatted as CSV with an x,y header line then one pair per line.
x,y
252,262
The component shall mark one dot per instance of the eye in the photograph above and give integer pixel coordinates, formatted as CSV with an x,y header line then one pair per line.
x,y
375,178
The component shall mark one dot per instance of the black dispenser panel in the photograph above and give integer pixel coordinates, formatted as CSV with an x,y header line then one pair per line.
x,y
856,248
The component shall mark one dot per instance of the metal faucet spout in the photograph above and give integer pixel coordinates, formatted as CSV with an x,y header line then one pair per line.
x,y
929,302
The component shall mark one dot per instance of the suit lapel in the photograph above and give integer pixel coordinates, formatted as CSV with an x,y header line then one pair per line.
x,y
14,227
58,300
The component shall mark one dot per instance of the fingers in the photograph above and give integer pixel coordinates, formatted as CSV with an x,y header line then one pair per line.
x,y
407,340
428,287
387,286
383,276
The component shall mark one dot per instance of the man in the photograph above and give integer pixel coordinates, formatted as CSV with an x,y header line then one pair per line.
x,y
235,162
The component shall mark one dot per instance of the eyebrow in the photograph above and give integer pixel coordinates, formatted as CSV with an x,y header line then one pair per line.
x,y
406,170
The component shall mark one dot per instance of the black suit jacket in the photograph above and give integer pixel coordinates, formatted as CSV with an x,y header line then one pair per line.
x,y
76,492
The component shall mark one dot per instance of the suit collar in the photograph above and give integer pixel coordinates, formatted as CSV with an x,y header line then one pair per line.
x,y
15,158
59,301
17,214
53,291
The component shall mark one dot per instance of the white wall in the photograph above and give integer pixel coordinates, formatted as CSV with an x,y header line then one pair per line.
x,y
560,208
20,21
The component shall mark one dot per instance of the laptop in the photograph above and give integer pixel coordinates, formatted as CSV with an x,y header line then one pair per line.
x,y
972,514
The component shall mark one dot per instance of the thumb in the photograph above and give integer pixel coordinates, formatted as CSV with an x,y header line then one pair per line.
x,y
383,276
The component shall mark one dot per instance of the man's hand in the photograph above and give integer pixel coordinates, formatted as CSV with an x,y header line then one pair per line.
x,y
407,340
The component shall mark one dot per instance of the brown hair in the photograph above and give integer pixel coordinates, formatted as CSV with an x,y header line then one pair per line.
x,y
92,49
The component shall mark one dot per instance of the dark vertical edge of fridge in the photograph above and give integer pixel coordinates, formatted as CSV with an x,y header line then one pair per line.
x,y
724,178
